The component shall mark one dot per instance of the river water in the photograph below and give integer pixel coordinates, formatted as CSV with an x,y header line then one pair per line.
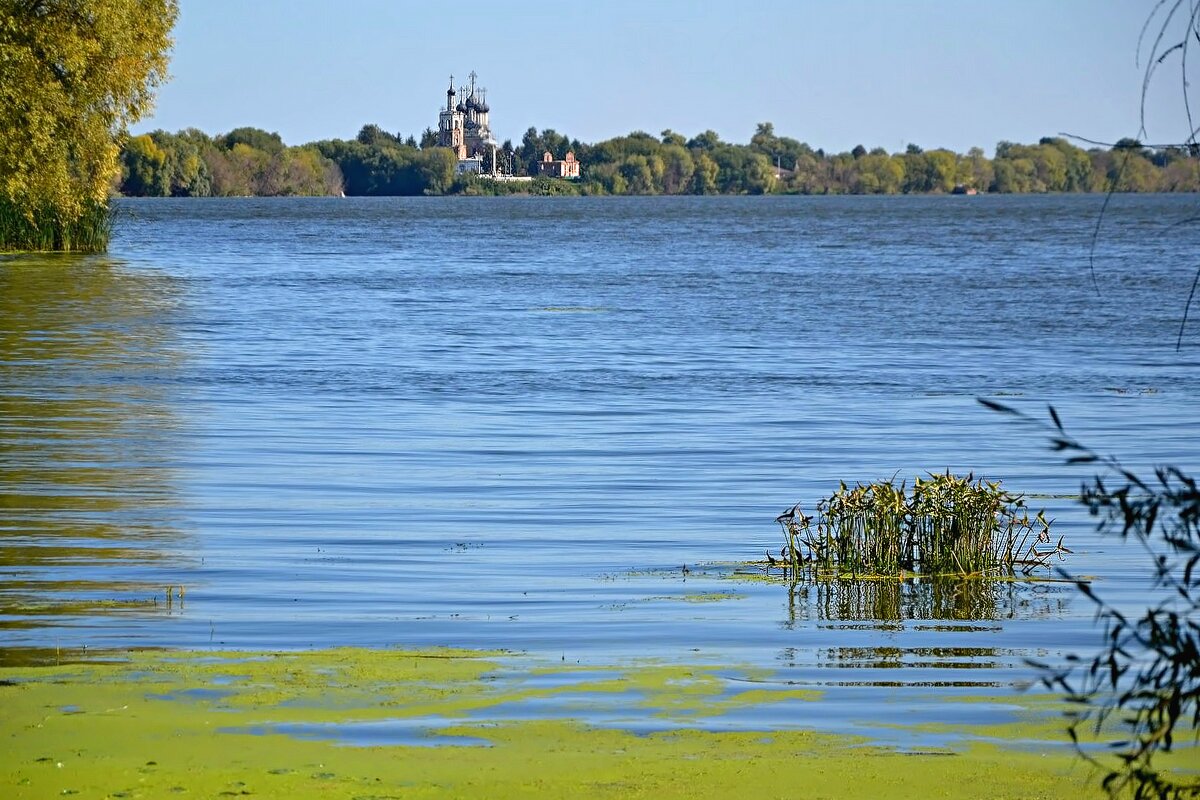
x,y
559,425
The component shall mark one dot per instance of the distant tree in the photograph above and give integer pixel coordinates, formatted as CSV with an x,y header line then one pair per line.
x,y
531,143
942,170
189,173
840,171
1181,175
535,145
1013,175
506,155
709,140
704,177
678,168
1131,145
268,142
671,137
765,141
917,177
743,171
301,171
1128,169
377,162
807,174
760,175
375,135
436,167
975,171
638,174
556,143
145,168
878,173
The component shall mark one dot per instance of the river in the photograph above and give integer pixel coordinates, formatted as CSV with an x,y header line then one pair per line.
x,y
561,425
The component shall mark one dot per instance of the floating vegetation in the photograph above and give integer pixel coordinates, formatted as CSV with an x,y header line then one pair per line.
x,y
946,524
180,723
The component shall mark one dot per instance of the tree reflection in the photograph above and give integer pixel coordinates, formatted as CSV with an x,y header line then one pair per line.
x,y
88,442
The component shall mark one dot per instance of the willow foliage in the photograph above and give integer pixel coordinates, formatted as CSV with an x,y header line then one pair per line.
x,y
73,75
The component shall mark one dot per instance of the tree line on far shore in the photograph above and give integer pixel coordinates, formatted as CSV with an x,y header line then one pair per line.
x,y
250,161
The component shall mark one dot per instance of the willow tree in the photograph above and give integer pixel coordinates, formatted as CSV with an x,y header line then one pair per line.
x,y
74,74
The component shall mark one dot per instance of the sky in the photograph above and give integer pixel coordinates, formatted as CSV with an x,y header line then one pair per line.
x,y
833,73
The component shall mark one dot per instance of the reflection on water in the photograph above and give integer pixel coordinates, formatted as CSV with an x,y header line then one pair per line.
x,y
88,438
944,599
920,631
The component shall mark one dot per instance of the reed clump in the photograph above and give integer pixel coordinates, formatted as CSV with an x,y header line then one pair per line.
x,y
48,230
944,524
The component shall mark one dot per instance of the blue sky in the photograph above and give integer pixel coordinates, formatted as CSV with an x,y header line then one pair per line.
x,y
952,73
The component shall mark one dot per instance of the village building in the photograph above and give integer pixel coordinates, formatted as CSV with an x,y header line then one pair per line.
x,y
564,168
465,128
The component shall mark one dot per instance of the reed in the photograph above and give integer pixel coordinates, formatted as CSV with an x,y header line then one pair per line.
x,y
48,230
944,525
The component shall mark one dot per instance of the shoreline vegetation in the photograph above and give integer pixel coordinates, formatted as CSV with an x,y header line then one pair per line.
x,y
73,76
254,162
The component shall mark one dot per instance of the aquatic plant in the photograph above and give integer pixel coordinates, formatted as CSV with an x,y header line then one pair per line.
x,y
50,231
946,524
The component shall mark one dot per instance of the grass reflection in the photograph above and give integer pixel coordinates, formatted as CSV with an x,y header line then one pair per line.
x,y
88,439
942,598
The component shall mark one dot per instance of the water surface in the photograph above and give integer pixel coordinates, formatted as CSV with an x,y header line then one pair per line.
x,y
553,425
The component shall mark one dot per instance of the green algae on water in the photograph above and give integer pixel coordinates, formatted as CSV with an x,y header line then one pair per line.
x,y
207,724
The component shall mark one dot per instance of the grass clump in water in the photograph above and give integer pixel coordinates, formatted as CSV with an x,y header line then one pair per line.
x,y
49,230
946,524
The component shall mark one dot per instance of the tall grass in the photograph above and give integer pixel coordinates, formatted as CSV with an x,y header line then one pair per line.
x,y
48,230
946,524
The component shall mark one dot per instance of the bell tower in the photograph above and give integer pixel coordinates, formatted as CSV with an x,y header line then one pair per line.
x,y
450,125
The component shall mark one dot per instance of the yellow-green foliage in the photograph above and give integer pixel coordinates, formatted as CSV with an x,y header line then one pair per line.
x,y
73,75
204,725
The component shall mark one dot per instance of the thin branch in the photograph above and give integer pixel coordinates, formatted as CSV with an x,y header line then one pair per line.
x,y
1188,305
1145,27
1112,189
1125,145
1153,60
1183,47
